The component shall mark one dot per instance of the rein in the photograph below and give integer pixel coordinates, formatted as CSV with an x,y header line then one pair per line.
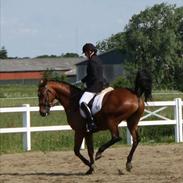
x,y
50,90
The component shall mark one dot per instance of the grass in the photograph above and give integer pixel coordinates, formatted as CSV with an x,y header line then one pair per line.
x,y
12,95
166,95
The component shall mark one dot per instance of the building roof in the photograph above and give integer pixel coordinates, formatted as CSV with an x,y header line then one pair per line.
x,y
38,64
110,57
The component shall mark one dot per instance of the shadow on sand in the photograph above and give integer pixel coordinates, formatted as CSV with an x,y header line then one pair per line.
x,y
43,174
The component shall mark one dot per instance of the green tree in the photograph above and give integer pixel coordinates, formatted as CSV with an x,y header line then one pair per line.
x,y
153,41
121,81
67,55
70,55
46,56
3,53
116,41
54,75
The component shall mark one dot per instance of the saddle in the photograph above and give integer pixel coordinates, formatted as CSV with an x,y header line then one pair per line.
x,y
95,103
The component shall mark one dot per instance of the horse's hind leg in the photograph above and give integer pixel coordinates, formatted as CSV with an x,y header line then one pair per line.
x,y
133,128
115,138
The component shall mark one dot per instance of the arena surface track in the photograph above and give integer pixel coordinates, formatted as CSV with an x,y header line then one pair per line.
x,y
151,164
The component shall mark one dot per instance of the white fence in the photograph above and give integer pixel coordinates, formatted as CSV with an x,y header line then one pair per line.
x,y
27,129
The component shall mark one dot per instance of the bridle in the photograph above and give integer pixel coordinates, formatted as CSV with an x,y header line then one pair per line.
x,y
45,92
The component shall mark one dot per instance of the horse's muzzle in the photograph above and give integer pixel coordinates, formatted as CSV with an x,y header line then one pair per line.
x,y
44,114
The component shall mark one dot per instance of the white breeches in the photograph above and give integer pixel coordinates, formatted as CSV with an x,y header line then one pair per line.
x,y
86,97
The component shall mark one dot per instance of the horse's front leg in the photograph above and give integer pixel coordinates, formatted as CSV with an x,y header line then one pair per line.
x,y
77,145
89,143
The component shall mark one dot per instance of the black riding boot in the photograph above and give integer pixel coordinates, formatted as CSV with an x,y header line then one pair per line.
x,y
90,126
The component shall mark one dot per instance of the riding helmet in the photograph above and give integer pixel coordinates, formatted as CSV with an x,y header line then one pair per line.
x,y
89,47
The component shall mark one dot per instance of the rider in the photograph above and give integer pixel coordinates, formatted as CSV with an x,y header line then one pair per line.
x,y
94,82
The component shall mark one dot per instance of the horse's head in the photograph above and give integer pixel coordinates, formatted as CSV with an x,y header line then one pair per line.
x,y
46,96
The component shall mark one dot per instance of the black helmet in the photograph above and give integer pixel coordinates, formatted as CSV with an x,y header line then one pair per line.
x,y
89,47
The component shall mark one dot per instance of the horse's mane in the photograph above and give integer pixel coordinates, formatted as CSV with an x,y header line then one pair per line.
x,y
44,82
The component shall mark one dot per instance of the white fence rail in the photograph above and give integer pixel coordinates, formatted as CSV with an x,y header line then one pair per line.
x,y
27,129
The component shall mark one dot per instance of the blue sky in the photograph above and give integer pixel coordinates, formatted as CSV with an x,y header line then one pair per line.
x,y
36,27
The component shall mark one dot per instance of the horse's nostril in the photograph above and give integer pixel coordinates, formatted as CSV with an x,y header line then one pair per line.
x,y
43,114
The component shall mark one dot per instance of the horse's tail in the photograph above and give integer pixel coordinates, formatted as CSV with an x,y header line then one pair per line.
x,y
143,84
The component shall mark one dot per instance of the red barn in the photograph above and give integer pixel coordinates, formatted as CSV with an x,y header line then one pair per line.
x,y
31,70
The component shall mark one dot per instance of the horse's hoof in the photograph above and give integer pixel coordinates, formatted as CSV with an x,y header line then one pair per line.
x,y
120,172
91,170
98,155
128,166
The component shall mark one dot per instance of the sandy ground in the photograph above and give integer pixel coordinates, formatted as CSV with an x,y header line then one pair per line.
x,y
151,164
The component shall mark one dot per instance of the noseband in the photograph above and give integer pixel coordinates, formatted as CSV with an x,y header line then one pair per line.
x,y
45,93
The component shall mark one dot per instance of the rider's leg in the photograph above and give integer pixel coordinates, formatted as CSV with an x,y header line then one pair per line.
x,y
91,127
85,99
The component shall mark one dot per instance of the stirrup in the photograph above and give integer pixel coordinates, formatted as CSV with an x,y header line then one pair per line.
x,y
91,128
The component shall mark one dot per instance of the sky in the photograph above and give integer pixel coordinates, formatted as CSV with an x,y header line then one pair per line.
x,y
29,28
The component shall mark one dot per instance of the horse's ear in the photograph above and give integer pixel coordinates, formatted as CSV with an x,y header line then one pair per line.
x,y
42,82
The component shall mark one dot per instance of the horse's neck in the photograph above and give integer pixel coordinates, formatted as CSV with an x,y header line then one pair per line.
x,y
68,96
69,99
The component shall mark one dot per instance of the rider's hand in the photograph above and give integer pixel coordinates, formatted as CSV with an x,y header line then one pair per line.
x,y
78,82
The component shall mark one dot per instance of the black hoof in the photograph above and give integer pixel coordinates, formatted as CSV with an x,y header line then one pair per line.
x,y
129,166
98,155
91,170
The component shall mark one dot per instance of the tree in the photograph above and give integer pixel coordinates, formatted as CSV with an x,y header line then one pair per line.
x,y
3,53
46,56
116,41
67,55
153,40
50,74
70,55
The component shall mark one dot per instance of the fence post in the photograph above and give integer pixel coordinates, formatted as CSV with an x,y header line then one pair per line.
x,y
26,124
179,106
178,119
83,144
129,137
181,120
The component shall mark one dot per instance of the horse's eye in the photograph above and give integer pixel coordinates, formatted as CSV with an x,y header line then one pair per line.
x,y
39,95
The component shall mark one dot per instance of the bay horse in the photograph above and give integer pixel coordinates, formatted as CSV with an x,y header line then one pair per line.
x,y
121,104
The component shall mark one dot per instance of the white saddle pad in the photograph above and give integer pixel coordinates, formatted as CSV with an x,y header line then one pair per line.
x,y
97,103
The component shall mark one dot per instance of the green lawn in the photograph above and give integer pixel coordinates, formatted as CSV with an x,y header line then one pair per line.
x,y
14,95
